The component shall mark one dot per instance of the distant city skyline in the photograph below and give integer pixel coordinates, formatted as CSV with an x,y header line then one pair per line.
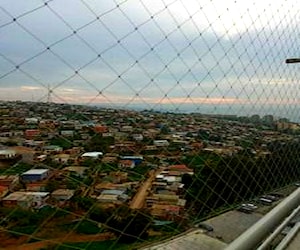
x,y
187,56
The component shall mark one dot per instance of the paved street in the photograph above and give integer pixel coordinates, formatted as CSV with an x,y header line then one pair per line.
x,y
192,240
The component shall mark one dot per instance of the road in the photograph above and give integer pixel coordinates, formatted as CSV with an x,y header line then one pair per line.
x,y
191,239
139,199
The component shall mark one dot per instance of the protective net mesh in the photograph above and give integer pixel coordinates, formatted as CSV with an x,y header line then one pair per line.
x,y
127,122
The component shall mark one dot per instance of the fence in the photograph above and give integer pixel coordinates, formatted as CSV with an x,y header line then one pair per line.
x,y
190,104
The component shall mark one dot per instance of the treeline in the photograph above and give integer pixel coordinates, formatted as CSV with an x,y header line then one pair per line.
x,y
223,181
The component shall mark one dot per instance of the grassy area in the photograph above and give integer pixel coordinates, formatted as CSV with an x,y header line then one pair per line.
x,y
18,168
88,227
20,230
138,173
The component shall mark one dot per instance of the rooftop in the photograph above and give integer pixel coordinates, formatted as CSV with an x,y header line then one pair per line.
x,y
35,171
92,154
7,152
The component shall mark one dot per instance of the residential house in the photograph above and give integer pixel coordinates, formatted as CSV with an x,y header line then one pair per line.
x,y
112,195
25,199
52,149
9,181
3,191
17,199
61,158
67,133
8,154
62,195
166,212
33,175
32,133
76,170
161,143
126,164
91,155
100,129
183,169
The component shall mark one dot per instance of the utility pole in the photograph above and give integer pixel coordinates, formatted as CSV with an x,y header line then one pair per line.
x,y
49,93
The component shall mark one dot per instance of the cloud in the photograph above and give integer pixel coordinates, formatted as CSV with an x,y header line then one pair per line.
x,y
152,52
30,88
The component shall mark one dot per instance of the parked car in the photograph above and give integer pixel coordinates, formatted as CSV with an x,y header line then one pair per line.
x,y
278,195
204,226
250,205
247,208
270,197
265,201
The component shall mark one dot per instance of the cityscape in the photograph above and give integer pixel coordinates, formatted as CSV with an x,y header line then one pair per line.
x,y
72,172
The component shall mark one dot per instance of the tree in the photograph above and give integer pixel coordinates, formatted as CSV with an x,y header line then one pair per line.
x,y
125,222
100,214
187,180
165,130
83,202
62,142
51,185
99,143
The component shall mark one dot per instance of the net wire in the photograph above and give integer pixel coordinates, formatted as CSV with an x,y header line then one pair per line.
x,y
204,78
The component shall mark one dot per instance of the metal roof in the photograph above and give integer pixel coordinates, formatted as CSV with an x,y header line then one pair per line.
x,y
35,171
92,154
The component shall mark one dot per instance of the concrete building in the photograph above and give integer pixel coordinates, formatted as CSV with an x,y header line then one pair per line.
x,y
33,175
8,154
25,199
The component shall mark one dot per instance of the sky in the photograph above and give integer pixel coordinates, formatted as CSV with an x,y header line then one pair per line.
x,y
208,56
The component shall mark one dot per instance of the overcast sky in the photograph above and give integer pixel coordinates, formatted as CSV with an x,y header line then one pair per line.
x,y
219,56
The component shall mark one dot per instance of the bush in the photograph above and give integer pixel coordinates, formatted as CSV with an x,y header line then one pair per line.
x,y
87,227
19,230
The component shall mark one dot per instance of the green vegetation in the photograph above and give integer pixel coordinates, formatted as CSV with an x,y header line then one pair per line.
x,y
18,168
129,225
106,167
138,173
21,230
99,143
219,181
62,142
51,185
83,202
88,227
22,221
109,244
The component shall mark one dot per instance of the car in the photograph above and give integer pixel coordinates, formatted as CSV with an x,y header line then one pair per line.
x,y
270,197
245,208
204,226
278,195
265,201
249,205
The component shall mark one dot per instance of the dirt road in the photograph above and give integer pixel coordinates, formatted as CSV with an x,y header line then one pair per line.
x,y
139,199
72,238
